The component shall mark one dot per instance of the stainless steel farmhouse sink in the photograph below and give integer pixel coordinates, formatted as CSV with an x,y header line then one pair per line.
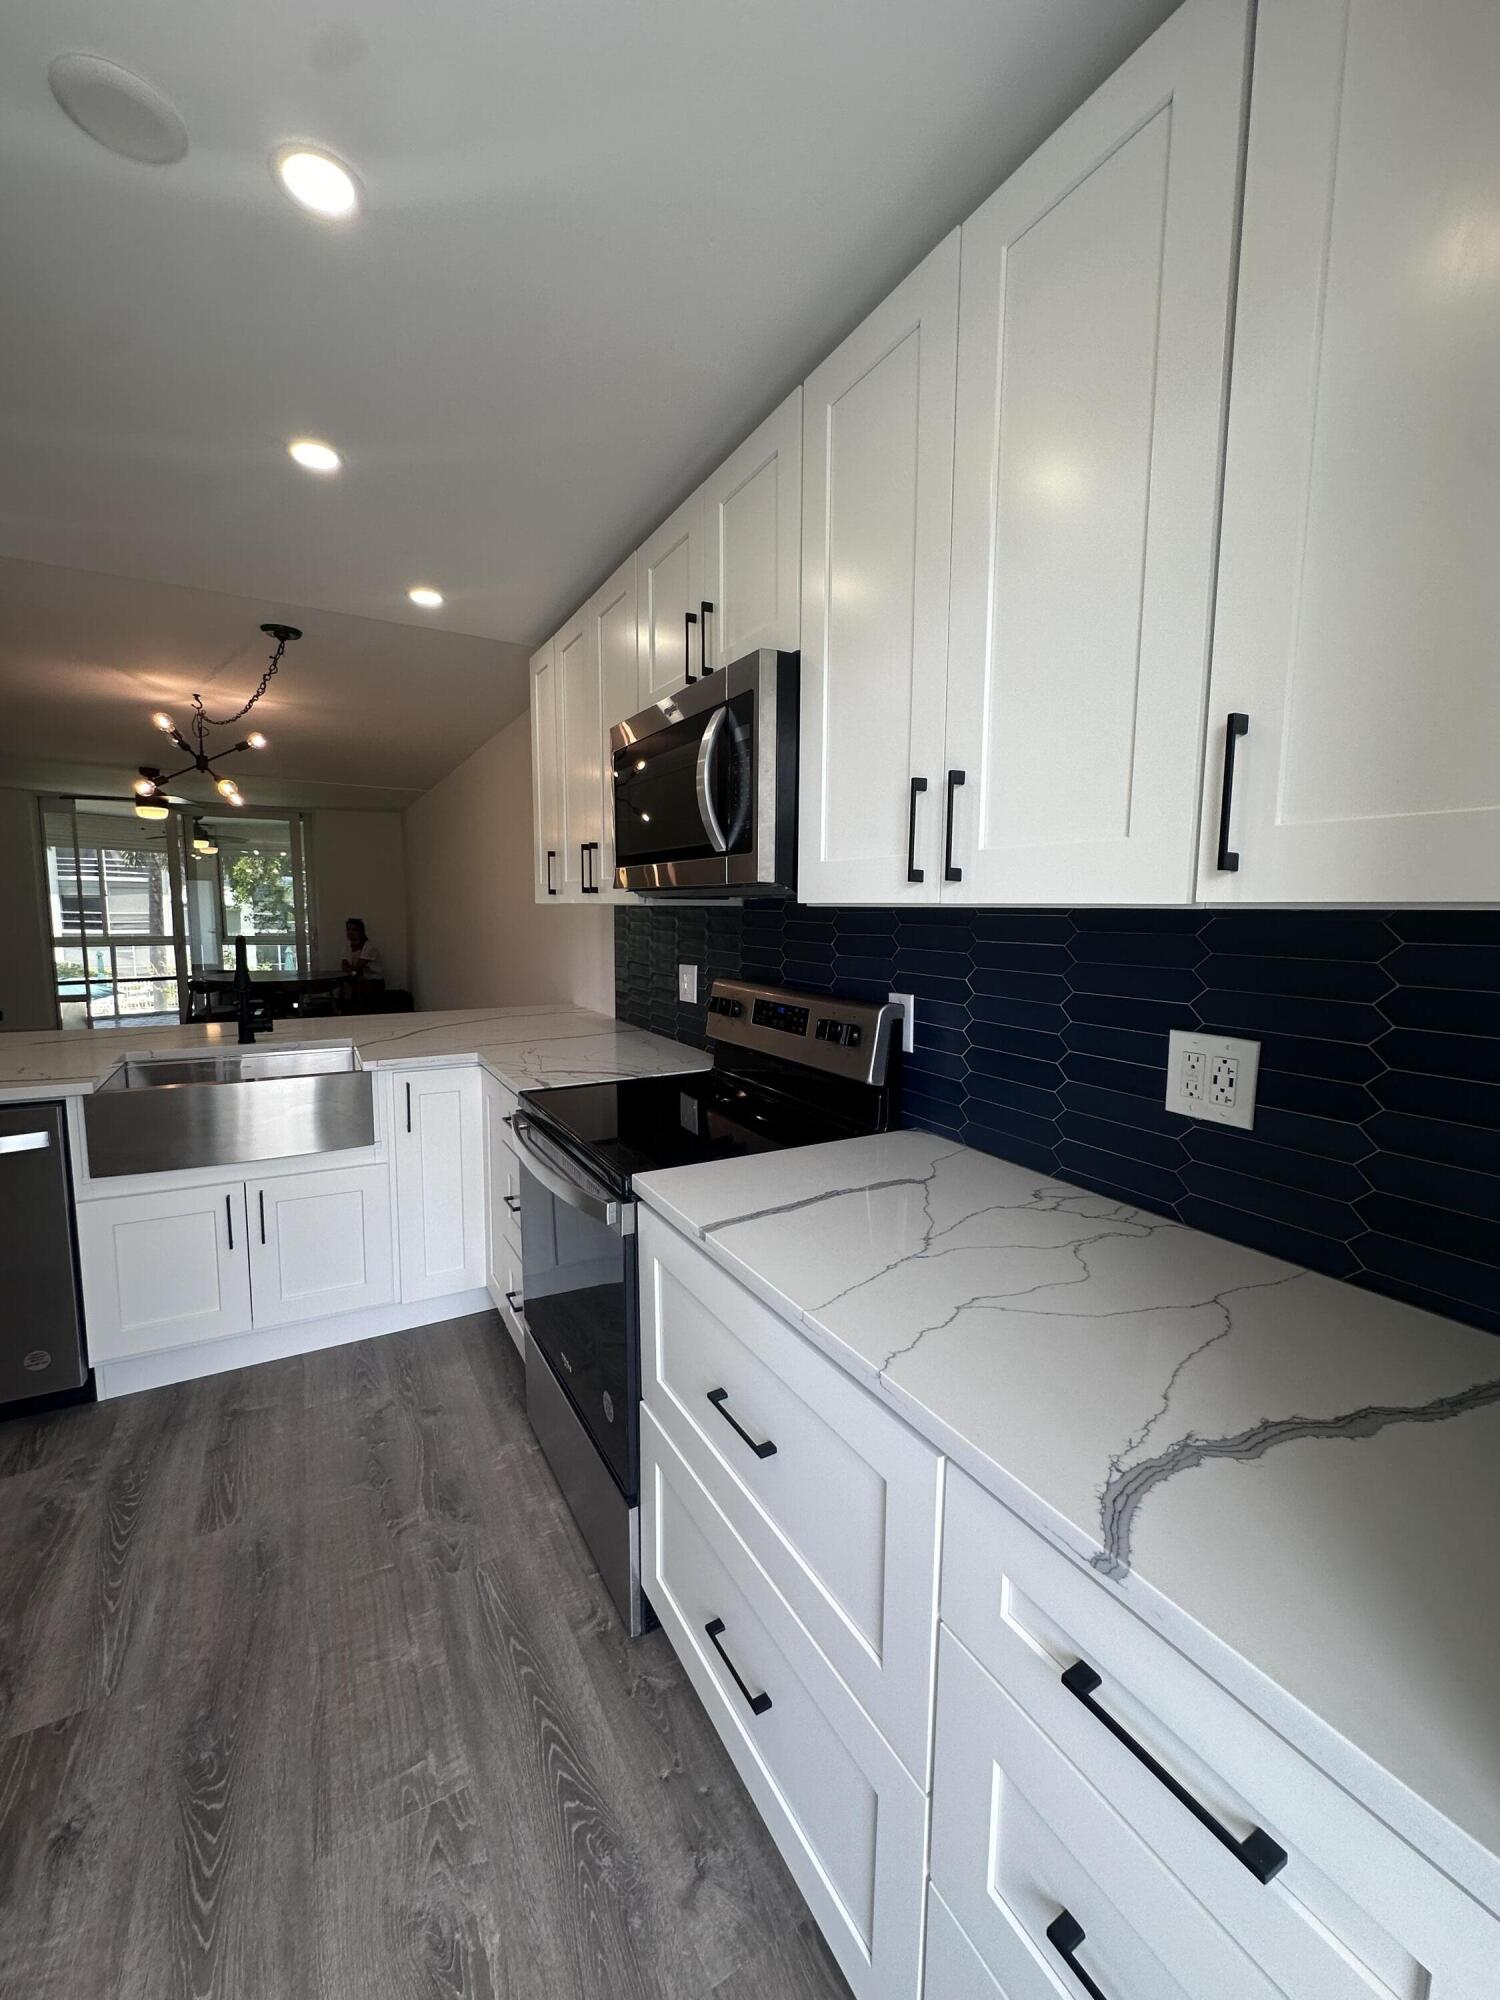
x,y
228,1107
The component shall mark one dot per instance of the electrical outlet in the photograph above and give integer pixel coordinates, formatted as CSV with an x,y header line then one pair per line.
x,y
907,1002
1212,1077
687,983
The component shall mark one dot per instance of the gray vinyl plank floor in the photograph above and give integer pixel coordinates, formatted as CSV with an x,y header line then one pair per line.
x,y
308,1691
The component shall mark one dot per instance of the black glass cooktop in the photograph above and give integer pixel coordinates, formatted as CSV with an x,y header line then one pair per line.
x,y
628,1128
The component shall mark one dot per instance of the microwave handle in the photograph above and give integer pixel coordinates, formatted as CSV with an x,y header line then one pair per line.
x,y
707,811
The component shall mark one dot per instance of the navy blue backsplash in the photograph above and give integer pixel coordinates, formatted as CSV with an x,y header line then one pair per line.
x,y
1042,1037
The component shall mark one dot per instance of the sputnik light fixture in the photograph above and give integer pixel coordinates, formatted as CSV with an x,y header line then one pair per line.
x,y
150,786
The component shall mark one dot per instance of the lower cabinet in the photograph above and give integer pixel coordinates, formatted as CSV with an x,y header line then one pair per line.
x,y
439,1148
319,1244
164,1270
848,1818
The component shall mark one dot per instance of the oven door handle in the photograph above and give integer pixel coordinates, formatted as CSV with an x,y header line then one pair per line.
x,y
707,811
557,1177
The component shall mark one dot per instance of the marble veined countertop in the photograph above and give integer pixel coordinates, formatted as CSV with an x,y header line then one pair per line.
x,y
527,1048
1296,1481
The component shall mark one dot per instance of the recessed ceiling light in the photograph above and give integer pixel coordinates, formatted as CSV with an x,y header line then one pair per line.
x,y
428,598
315,455
317,181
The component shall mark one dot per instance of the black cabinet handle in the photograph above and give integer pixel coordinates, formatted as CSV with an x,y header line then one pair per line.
x,y
229,1220
551,857
408,1107
590,885
262,1193
516,1304
719,1397
1065,1934
913,872
1235,726
706,611
758,1703
950,873
689,620
1257,1851
511,1203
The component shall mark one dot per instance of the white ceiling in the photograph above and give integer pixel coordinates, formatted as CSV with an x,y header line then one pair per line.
x,y
361,712
602,239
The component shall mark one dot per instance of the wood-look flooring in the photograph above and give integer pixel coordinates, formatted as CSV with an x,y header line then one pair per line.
x,y
308,1692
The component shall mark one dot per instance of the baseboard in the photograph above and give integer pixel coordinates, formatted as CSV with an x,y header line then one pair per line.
x,y
274,1343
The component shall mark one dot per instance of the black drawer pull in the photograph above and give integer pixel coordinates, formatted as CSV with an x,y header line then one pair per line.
x,y
512,1202
517,1305
950,873
1257,1851
719,1397
913,872
759,1703
1235,726
1065,1934
689,620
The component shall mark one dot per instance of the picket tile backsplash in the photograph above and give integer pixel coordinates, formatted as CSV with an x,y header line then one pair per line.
x,y
1042,1037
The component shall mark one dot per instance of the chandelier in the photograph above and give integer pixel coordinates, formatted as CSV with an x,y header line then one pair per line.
x,y
150,786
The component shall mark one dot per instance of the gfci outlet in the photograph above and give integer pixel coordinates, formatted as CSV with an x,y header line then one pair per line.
x,y
687,983
1212,1077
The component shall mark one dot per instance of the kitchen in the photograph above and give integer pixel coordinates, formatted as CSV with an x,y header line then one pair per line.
x,y
866,1362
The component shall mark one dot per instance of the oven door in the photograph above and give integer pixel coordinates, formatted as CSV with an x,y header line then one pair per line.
x,y
578,1261
682,781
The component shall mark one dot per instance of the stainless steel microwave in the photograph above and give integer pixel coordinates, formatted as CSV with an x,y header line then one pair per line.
x,y
705,785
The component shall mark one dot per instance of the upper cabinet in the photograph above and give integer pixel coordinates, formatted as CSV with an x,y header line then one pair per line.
x,y
877,483
580,737
1355,630
752,541
669,586
1092,344
613,628
546,779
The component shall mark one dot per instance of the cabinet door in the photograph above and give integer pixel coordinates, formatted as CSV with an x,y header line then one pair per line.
x,y
877,496
1357,603
1092,342
580,751
669,580
752,539
546,777
163,1270
319,1244
439,1181
612,616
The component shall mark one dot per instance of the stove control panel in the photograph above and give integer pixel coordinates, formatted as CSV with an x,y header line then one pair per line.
x,y
850,1038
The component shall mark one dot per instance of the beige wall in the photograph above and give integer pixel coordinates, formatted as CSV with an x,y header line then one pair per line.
x,y
359,870
25,968
477,938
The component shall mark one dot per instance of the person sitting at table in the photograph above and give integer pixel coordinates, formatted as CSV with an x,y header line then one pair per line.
x,y
365,969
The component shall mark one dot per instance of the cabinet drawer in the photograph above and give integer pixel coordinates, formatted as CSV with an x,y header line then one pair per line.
x,y
849,1820
834,1495
954,1969
1352,1914
1021,1843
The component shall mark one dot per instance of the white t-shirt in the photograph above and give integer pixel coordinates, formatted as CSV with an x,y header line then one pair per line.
x,y
365,959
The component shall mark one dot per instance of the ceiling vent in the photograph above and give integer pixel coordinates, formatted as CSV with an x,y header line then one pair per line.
x,y
122,111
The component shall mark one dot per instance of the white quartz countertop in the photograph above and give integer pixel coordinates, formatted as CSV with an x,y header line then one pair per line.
x,y
527,1048
1296,1481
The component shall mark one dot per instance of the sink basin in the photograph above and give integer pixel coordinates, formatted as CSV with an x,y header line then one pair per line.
x,y
228,1107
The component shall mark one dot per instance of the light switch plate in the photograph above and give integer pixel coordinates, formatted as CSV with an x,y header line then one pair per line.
x,y
687,982
1212,1077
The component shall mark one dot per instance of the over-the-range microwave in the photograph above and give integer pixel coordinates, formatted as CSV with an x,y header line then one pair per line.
x,y
705,785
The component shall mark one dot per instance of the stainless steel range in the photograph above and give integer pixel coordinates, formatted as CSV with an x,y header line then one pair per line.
x,y
790,1069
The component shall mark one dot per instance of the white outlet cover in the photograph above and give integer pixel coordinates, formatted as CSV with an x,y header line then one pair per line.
x,y
1211,1051
687,983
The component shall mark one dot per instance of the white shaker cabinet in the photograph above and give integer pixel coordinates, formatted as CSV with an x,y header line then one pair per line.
x,y
669,586
439,1148
1093,335
752,538
877,490
320,1243
546,775
163,1270
615,639
1358,606
580,752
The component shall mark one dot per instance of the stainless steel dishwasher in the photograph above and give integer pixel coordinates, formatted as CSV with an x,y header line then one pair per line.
x,y
41,1323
